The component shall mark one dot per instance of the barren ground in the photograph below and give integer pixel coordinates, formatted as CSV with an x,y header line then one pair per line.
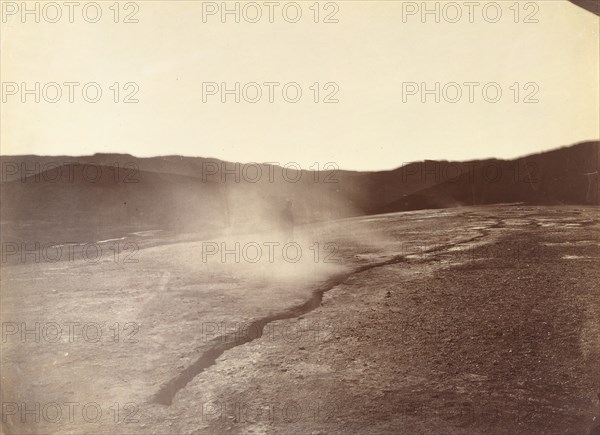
x,y
464,320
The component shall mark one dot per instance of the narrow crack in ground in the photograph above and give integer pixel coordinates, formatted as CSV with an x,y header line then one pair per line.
x,y
255,329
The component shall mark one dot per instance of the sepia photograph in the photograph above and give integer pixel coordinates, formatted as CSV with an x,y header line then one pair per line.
x,y
300,217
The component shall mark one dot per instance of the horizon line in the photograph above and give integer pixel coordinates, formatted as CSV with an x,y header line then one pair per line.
x,y
302,169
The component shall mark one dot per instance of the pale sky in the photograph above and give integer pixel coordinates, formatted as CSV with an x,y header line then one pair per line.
x,y
369,54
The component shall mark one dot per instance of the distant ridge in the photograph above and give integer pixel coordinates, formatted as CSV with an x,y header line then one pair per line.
x,y
201,194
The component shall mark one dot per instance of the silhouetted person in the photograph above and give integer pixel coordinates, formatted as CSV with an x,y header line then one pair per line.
x,y
286,221
591,196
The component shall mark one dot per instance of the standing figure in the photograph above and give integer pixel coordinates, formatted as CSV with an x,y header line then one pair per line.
x,y
287,221
591,196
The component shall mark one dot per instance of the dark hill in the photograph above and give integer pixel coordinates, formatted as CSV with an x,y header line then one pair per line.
x,y
110,194
563,176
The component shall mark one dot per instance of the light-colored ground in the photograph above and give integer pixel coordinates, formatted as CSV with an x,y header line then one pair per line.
x,y
449,321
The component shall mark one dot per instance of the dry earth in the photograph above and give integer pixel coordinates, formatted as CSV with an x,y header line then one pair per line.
x,y
463,320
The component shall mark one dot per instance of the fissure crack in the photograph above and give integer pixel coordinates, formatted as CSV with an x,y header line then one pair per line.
x,y
168,391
